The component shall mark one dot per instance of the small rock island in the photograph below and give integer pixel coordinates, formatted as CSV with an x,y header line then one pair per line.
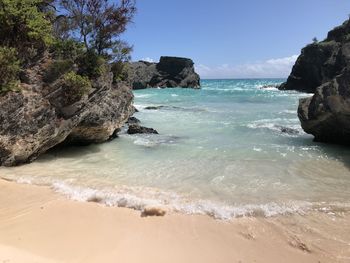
x,y
170,72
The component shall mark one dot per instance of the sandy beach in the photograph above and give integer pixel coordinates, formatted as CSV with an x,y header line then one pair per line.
x,y
38,225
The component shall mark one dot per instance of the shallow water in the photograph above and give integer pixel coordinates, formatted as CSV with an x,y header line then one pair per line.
x,y
223,150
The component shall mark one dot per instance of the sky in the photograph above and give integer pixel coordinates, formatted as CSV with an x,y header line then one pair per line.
x,y
233,38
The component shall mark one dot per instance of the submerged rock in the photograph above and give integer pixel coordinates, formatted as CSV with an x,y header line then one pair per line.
x,y
271,86
170,72
326,115
320,62
154,107
137,129
287,130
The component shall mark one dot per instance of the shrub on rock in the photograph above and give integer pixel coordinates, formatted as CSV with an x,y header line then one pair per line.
x,y
9,69
57,68
75,86
92,65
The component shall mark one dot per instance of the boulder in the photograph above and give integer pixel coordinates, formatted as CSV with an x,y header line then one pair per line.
x,y
137,129
170,72
133,120
321,61
326,115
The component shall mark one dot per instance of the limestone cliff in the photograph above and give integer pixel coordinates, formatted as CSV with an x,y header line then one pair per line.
x,y
41,116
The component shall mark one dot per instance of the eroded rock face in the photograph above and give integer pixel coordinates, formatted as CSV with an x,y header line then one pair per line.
x,y
326,115
36,119
109,110
170,72
321,62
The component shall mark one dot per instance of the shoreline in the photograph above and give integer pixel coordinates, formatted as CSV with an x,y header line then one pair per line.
x,y
39,225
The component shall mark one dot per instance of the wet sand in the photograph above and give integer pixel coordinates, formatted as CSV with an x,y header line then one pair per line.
x,y
38,225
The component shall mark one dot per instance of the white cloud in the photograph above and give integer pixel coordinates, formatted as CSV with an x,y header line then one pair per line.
x,y
148,59
272,68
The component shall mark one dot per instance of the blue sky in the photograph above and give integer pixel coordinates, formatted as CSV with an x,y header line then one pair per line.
x,y
233,39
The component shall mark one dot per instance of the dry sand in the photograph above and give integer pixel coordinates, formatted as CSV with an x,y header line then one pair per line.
x,y
39,226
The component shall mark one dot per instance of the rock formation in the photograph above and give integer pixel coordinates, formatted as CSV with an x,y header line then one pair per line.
x,y
324,69
170,72
133,120
326,115
39,117
321,61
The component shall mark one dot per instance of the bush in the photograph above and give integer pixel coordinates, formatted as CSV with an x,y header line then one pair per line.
x,y
9,69
75,86
57,69
92,65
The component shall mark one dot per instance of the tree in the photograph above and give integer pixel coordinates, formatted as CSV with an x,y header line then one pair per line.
x,y
315,40
122,54
98,23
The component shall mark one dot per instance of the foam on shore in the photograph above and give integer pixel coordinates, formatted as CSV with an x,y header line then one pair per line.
x,y
139,198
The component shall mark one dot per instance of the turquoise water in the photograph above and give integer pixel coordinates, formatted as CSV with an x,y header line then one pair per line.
x,y
227,150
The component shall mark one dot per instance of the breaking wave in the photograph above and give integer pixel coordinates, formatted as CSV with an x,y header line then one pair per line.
x,y
139,198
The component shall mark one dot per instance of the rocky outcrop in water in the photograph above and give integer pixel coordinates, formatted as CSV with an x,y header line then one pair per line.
x,y
168,73
324,69
320,62
326,115
41,116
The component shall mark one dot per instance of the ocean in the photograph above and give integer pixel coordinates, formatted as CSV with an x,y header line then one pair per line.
x,y
228,150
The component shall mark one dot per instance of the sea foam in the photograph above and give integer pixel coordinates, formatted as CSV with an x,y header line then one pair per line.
x,y
129,198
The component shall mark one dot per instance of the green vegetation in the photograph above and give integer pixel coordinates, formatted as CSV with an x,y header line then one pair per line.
x,y
92,65
99,23
24,25
9,69
75,86
122,54
67,49
82,37
57,68
120,71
